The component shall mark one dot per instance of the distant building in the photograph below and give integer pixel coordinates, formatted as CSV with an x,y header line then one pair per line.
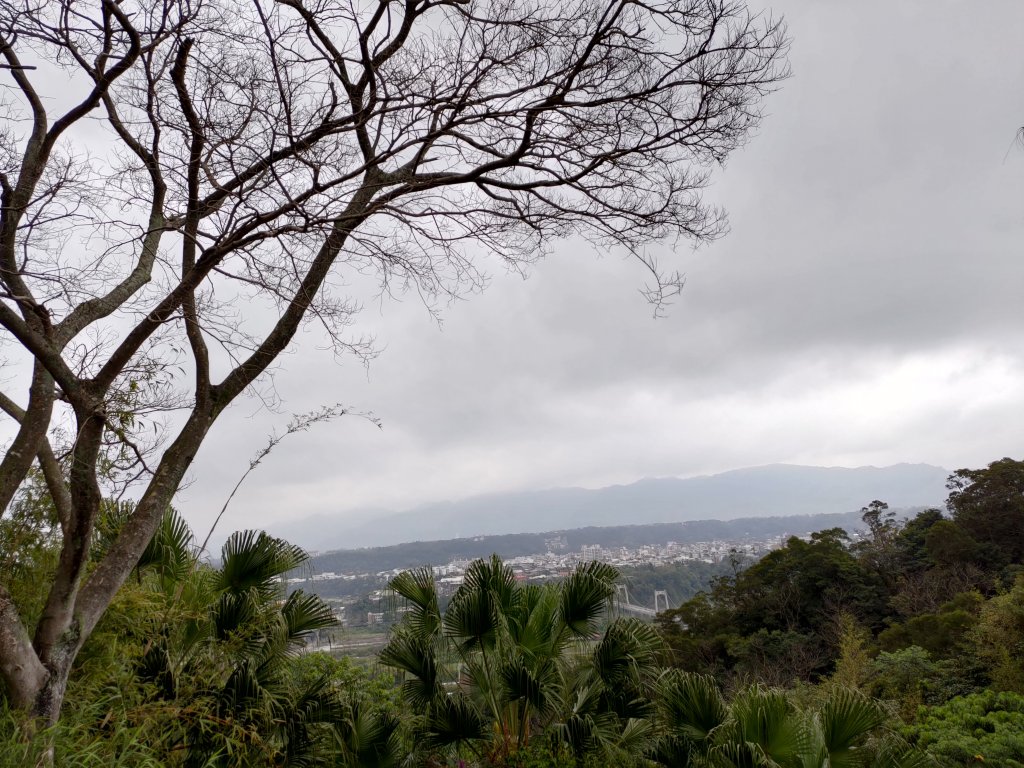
x,y
556,544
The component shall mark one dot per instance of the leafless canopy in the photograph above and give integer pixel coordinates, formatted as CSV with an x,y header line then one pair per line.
x,y
166,163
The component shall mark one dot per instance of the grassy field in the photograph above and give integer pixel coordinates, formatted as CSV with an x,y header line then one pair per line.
x,y
355,642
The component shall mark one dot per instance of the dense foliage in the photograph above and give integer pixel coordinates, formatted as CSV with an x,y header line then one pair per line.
x,y
198,666
898,648
984,727
512,674
508,663
927,614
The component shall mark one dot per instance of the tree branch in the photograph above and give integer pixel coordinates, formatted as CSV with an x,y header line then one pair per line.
x,y
34,423
52,473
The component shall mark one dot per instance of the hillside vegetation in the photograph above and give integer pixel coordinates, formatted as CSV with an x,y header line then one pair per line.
x,y
926,614
902,649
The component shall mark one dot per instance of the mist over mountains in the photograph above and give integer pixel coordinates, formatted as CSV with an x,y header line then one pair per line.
x,y
769,491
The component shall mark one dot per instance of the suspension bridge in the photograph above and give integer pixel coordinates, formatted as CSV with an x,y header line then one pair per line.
x,y
622,603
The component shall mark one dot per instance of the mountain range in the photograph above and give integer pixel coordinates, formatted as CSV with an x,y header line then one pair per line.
x,y
769,491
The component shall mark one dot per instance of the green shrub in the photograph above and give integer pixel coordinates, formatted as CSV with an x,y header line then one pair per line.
x,y
968,730
77,743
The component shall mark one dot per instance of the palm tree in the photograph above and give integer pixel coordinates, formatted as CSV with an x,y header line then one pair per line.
x,y
762,728
508,663
247,636
222,657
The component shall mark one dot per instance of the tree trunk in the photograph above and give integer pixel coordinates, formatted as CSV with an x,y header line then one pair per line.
x,y
41,695
58,662
44,714
22,671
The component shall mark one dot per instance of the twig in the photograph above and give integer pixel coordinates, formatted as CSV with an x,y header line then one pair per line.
x,y
299,423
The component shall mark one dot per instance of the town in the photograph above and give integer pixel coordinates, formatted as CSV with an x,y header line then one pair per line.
x,y
363,599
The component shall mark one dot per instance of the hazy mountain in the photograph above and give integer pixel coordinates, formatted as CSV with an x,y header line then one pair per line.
x,y
770,491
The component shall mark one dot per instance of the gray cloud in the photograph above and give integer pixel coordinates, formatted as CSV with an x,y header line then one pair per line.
x,y
865,307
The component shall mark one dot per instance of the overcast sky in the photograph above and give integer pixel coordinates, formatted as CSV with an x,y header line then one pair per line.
x,y
866,308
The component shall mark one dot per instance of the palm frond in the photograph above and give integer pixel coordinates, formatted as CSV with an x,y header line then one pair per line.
x,y
231,612
578,733
522,685
671,749
305,613
304,716
766,722
740,754
585,693
472,620
628,647
255,561
534,630
498,579
243,690
479,608
414,656
635,738
846,720
155,667
370,739
418,589
585,596
454,721
169,552
691,704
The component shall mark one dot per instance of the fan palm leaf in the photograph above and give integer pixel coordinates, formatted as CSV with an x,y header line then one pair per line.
x,y
585,596
627,648
256,561
691,704
304,614
635,737
690,709
475,615
412,654
846,720
369,739
170,552
233,611
521,684
532,628
454,721
764,729
155,667
420,593
305,715
472,621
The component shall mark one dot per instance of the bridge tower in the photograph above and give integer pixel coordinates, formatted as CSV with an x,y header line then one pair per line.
x,y
622,594
660,593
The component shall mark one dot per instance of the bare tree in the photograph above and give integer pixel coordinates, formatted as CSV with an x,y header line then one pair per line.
x,y
166,164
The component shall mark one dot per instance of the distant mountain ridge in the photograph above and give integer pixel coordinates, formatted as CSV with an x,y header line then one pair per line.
x,y
777,490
